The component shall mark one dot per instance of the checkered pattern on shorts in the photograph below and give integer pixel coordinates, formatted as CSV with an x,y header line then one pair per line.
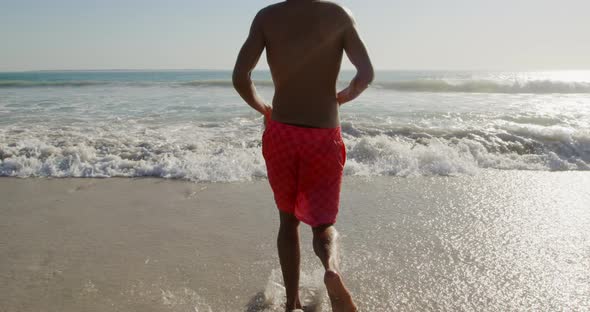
x,y
305,170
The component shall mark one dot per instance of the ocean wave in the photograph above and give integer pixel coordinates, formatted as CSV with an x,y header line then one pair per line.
x,y
486,86
426,85
431,85
37,84
201,154
89,83
428,151
221,83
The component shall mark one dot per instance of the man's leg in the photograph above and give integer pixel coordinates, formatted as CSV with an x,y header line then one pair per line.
x,y
289,256
326,248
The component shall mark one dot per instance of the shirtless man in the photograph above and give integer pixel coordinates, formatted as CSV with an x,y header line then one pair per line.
x,y
302,142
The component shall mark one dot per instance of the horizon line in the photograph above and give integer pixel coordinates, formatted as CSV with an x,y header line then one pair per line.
x,y
267,69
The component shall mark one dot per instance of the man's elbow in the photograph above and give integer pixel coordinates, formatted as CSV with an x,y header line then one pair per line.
x,y
240,79
369,75
236,79
365,76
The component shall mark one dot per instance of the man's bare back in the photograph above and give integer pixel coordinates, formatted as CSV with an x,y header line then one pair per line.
x,y
304,41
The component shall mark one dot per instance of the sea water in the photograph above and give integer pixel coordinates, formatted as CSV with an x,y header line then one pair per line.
x,y
192,125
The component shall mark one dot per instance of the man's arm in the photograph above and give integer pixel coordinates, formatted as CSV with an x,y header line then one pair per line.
x,y
359,57
247,60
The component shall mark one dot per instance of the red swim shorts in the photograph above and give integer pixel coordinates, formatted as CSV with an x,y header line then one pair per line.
x,y
304,168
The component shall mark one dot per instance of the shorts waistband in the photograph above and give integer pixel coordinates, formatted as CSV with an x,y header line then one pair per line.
x,y
310,129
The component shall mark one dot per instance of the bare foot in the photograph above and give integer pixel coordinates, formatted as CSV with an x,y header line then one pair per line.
x,y
339,295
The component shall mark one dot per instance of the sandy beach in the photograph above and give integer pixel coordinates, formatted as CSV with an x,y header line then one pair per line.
x,y
133,178
498,241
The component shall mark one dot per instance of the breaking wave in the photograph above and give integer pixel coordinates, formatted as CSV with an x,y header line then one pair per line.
x,y
426,85
222,83
487,86
38,84
201,153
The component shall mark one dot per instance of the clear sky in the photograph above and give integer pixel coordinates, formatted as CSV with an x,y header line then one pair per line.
x,y
199,34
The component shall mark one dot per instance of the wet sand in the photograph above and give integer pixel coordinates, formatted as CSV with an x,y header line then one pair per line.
x,y
495,241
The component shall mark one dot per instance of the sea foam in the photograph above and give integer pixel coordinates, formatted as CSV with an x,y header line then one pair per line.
x,y
192,125
232,151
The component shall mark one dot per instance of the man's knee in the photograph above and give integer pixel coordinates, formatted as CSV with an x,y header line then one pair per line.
x,y
324,233
288,221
